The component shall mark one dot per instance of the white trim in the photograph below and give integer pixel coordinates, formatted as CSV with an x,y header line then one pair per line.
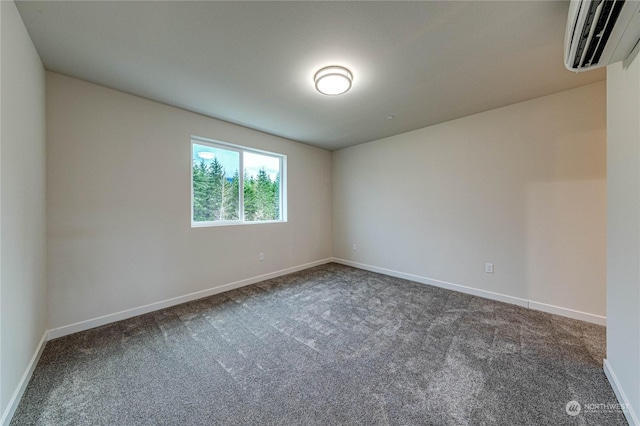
x,y
525,303
437,283
22,384
631,416
570,313
118,316
129,313
233,223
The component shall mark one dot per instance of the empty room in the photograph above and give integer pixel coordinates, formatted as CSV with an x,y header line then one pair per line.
x,y
320,213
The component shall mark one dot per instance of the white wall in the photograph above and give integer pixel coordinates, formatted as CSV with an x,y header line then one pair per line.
x,y
22,204
118,199
623,232
522,187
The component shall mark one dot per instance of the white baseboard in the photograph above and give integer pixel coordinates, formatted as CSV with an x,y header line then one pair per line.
x,y
118,316
436,283
129,313
565,312
22,384
631,416
570,313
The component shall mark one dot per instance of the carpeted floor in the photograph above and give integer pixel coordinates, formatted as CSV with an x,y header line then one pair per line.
x,y
326,346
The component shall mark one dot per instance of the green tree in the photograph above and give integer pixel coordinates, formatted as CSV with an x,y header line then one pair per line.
x,y
215,197
215,190
200,204
265,197
276,191
233,198
250,206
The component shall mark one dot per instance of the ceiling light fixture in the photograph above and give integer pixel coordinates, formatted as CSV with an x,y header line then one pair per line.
x,y
206,155
333,80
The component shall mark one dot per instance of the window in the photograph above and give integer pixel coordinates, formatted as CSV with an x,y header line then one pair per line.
x,y
223,195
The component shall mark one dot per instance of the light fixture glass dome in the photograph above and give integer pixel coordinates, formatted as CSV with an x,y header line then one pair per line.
x,y
206,155
333,80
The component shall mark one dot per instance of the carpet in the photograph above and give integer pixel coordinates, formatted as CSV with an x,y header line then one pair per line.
x,y
330,345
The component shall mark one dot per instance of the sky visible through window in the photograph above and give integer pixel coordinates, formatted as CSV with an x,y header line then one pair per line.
x,y
229,159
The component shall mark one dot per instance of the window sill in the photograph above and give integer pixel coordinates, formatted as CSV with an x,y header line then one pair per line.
x,y
232,223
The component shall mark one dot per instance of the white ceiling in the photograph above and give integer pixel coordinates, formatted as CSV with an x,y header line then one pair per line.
x,y
252,63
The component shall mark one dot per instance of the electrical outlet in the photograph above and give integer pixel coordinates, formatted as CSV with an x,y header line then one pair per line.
x,y
355,247
261,257
488,268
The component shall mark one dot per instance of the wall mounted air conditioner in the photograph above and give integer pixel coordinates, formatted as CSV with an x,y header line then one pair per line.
x,y
600,32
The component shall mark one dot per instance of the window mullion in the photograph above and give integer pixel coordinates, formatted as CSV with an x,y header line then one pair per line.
x,y
241,187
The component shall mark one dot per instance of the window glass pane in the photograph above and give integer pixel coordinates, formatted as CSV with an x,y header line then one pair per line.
x,y
261,187
216,184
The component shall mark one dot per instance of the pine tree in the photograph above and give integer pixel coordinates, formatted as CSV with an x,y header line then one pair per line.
x,y
276,190
250,205
215,190
200,203
265,197
233,198
215,197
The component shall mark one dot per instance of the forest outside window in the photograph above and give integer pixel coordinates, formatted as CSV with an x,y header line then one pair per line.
x,y
232,184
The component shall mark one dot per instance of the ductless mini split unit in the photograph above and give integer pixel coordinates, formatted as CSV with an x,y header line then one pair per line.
x,y
600,32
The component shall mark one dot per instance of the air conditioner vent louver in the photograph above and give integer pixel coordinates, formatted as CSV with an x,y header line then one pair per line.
x,y
606,19
600,32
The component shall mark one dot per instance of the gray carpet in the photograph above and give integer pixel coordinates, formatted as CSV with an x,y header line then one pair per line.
x,y
326,346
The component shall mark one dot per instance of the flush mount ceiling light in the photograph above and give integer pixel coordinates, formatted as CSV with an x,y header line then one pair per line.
x,y
205,155
333,80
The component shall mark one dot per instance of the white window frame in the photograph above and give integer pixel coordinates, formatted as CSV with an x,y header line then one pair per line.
x,y
198,140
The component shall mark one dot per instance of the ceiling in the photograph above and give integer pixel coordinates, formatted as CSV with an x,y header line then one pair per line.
x,y
252,63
